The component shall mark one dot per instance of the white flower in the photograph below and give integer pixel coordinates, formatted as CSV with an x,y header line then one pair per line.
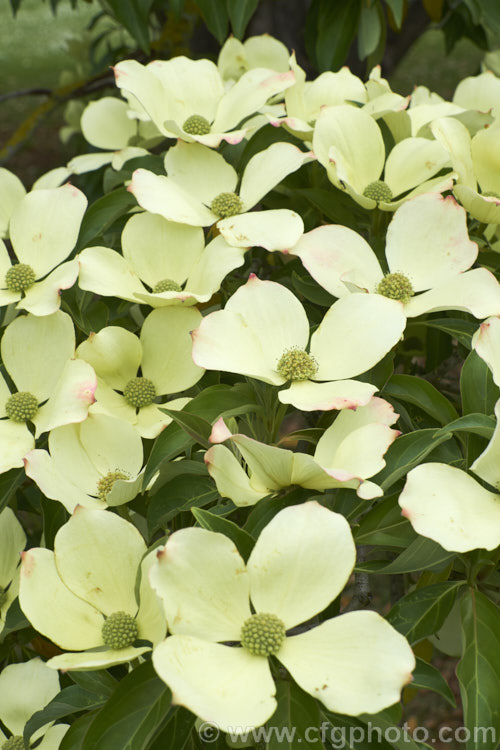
x,y
200,191
25,689
53,389
186,98
82,595
43,230
349,452
428,250
355,663
163,255
162,355
263,333
97,463
13,542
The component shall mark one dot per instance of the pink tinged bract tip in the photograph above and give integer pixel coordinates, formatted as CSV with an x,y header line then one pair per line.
x,y
220,432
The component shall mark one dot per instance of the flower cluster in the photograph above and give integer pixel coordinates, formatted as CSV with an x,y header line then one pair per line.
x,y
216,379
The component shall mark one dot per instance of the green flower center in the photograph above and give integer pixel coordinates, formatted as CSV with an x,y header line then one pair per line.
x,y
196,125
490,194
166,285
396,286
119,630
139,392
378,191
105,484
21,407
296,364
14,743
226,204
3,596
19,278
263,634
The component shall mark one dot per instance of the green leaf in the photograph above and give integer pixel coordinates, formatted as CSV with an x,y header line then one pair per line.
x,y
131,717
54,516
133,15
311,290
102,214
215,15
477,424
176,733
268,507
369,30
350,733
423,611
296,711
397,10
242,539
479,392
179,495
9,482
406,452
336,23
197,428
461,330
75,736
385,526
335,205
422,554
70,700
429,678
240,13
99,682
479,669
423,394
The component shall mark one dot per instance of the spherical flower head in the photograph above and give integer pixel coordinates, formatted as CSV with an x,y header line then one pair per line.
x,y
14,743
196,125
396,286
263,634
105,484
21,406
19,278
378,191
119,630
139,392
166,285
296,364
226,204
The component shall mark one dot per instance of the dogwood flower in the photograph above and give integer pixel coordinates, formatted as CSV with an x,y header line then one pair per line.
x,y
132,372
263,333
200,191
186,98
353,664
264,51
82,595
12,191
428,250
476,162
106,124
25,689
53,389
348,142
43,230
97,463
13,542
348,452
165,256
481,92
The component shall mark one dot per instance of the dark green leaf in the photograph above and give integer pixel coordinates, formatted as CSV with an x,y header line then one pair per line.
x,y
180,494
397,10
215,15
70,700
296,711
479,392
429,678
461,330
423,394
133,15
335,28
242,539
422,554
100,683
369,30
477,424
54,516
240,13
102,214
479,669
176,733
385,526
335,205
311,290
351,733
131,717
197,428
405,453
423,611
75,736
9,482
